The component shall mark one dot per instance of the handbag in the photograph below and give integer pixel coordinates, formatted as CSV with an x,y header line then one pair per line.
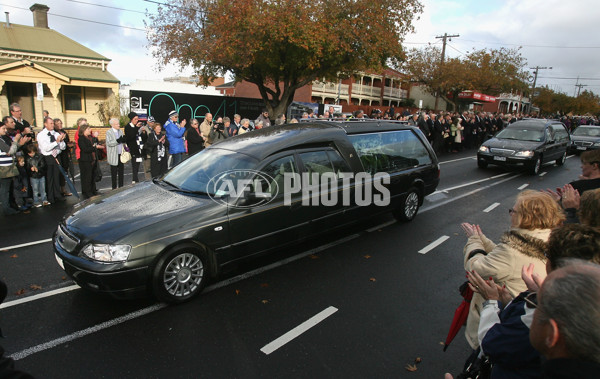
x,y
125,155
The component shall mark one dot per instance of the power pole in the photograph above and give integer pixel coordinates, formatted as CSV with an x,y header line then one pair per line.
x,y
536,69
579,88
444,38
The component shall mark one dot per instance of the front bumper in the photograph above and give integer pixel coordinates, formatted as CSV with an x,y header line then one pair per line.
x,y
114,279
507,161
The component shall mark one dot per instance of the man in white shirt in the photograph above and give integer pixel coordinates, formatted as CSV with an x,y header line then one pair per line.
x,y
50,144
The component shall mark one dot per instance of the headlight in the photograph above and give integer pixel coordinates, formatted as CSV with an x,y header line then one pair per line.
x,y
107,253
597,144
526,153
484,149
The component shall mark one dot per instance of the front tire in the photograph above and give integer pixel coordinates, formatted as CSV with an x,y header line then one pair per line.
x,y
482,164
410,206
561,161
535,168
180,275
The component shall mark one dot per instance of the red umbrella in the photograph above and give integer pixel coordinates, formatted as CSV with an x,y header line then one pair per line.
x,y
461,313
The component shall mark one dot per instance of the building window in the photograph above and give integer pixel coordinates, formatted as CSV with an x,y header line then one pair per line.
x,y
73,98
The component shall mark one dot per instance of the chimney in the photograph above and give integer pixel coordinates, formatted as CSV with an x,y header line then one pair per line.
x,y
7,20
40,15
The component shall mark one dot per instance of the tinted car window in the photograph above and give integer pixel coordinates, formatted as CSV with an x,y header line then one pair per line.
x,y
316,162
339,164
195,173
587,131
277,170
522,133
560,134
390,151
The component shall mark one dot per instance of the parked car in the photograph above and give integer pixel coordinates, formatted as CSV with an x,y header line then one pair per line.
x,y
528,144
585,137
171,235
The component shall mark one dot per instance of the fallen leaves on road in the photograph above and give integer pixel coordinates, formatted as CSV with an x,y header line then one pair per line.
x,y
367,256
314,256
264,285
20,292
64,278
14,256
237,292
265,301
413,367
373,279
35,287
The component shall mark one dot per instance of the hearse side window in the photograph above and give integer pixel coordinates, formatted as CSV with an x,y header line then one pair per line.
x,y
276,170
390,151
560,134
339,164
316,162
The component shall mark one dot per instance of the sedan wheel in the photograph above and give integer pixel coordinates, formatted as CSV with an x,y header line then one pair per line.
x,y
535,169
561,161
410,206
179,276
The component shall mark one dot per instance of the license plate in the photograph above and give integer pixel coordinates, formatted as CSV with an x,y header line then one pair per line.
x,y
502,159
581,148
60,261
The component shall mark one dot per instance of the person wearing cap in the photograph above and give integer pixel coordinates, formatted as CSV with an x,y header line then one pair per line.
x,y
133,138
175,134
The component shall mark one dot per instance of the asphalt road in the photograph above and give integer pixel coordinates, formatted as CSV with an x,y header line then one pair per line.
x,y
361,303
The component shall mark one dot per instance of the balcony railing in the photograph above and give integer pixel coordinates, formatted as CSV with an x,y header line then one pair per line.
x,y
358,89
394,93
330,88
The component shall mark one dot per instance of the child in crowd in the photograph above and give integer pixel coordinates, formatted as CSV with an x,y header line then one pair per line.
x,y
36,168
20,185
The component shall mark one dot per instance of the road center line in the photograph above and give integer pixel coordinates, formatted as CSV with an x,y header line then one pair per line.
x,y
38,296
491,208
433,245
297,331
523,187
458,159
73,336
25,244
471,183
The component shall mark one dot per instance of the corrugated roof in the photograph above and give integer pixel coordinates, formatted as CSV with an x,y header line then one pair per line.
x,y
41,40
74,72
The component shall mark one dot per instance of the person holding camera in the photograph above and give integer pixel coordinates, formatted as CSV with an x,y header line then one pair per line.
x,y
218,133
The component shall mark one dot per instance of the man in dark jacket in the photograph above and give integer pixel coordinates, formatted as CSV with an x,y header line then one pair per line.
x,y
133,138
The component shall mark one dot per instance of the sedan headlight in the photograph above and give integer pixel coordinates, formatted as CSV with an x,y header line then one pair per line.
x,y
484,149
526,153
107,253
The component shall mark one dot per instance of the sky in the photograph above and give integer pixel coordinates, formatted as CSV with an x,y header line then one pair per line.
x,y
552,33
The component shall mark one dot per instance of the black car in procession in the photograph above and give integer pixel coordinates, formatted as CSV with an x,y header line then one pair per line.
x,y
528,144
585,137
171,235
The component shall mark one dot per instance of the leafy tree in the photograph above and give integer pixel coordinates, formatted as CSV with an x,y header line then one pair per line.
x,y
281,45
490,71
551,102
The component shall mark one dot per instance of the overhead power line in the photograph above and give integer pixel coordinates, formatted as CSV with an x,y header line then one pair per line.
x,y
82,19
540,46
106,6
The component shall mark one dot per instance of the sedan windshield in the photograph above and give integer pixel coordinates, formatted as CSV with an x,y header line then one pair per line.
x,y
194,174
587,132
522,134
